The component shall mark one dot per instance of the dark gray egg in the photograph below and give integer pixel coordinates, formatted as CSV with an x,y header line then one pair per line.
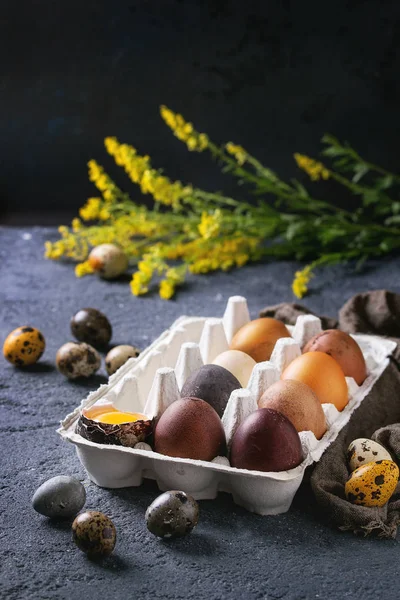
x,y
77,360
213,384
60,497
173,514
91,326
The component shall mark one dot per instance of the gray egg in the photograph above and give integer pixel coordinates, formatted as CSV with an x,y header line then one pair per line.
x,y
59,497
173,514
118,357
91,326
77,360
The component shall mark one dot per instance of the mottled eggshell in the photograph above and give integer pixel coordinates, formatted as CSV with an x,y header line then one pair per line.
x,y
266,441
60,497
190,428
362,451
323,375
77,360
114,427
24,346
173,514
118,357
258,338
298,403
344,349
213,384
91,326
108,261
372,484
238,363
94,533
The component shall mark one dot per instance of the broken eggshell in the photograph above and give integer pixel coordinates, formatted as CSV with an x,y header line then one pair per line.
x,y
127,434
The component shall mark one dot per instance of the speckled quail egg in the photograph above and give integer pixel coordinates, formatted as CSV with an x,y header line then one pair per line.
x,y
94,533
75,359
118,357
91,326
60,497
362,451
372,484
24,346
173,514
108,261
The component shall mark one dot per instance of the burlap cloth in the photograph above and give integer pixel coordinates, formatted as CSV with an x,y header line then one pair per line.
x,y
378,416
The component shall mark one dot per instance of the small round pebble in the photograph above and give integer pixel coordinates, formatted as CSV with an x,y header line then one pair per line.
x,y
94,533
173,514
60,497
108,261
118,357
77,360
24,346
91,326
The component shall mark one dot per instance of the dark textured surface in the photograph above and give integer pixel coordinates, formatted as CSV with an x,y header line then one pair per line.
x,y
232,553
273,76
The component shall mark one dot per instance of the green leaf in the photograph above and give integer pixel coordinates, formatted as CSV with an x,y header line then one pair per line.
x,y
383,183
396,208
395,220
301,190
359,171
370,196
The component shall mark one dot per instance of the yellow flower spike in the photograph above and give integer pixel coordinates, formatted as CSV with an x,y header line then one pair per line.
x,y
146,269
237,151
104,214
210,225
139,284
167,289
314,169
91,210
184,131
301,280
83,269
76,225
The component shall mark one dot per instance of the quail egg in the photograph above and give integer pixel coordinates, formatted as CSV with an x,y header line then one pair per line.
x,y
77,360
372,484
173,514
24,346
59,497
94,533
362,451
118,357
91,326
108,261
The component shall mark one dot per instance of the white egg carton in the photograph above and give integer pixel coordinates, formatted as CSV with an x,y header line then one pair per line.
x,y
150,383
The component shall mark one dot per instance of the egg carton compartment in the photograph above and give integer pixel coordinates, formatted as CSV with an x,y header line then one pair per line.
x,y
151,382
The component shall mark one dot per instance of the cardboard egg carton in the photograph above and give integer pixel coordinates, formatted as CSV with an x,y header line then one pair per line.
x,y
150,383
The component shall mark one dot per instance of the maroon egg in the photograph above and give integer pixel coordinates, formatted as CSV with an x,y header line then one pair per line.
x,y
190,428
266,441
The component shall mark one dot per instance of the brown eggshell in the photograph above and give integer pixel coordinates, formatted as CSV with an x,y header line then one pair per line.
x,y
125,434
298,403
190,428
258,338
322,374
266,441
343,349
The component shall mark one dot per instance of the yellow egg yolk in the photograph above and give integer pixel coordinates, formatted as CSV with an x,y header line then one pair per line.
x,y
117,417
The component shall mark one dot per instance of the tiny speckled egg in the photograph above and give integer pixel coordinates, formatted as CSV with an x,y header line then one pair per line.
x,y
173,514
24,346
91,326
108,261
373,483
118,357
94,533
238,363
60,497
362,451
77,360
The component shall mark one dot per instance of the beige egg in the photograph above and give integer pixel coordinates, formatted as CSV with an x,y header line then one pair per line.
x,y
362,451
238,363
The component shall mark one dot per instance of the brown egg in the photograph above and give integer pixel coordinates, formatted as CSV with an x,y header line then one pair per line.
x,y
266,441
190,428
322,374
298,403
257,338
343,349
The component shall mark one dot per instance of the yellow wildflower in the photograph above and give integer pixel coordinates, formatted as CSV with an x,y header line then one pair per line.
x,y
210,225
300,281
139,284
63,230
83,269
184,131
53,251
237,151
104,214
146,268
314,169
76,225
91,210
167,289
102,181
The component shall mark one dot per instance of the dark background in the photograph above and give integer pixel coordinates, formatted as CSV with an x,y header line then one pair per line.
x,y
270,75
